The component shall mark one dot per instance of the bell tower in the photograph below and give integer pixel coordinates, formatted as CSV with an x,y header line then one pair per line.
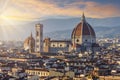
x,y
39,38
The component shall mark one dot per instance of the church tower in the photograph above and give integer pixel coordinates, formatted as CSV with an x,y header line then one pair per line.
x,y
39,38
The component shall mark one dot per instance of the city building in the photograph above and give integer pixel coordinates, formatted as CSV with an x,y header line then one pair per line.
x,y
39,38
83,38
55,46
29,44
39,72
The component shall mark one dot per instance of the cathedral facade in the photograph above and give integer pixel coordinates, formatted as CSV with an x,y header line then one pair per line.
x,y
56,46
83,38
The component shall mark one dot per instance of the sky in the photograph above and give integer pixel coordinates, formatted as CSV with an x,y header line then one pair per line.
x,y
15,12
25,10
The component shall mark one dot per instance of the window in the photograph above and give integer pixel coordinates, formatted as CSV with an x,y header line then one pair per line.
x,y
67,45
37,46
39,73
37,33
77,40
60,45
86,40
53,45
33,73
37,40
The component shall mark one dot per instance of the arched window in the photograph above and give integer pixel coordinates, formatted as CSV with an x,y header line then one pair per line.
x,y
77,40
60,45
53,45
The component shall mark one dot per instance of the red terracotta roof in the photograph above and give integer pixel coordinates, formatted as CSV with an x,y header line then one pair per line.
x,y
83,28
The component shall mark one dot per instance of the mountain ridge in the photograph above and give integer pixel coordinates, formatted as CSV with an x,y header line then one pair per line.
x,y
101,32
106,27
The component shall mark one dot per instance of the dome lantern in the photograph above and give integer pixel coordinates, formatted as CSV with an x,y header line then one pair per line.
x,y
83,17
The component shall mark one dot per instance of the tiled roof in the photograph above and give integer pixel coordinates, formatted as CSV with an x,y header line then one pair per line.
x,y
83,28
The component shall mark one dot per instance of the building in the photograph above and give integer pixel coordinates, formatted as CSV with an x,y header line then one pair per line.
x,y
83,38
39,72
53,73
39,38
56,46
29,44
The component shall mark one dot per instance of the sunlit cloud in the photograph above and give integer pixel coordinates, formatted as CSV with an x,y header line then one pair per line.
x,y
27,10
18,12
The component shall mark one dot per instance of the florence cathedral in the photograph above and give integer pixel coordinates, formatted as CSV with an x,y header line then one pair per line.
x,y
83,38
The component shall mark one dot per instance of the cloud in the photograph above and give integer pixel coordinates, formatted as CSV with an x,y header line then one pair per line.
x,y
25,10
15,12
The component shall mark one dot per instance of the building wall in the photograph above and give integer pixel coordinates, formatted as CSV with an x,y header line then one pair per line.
x,y
56,46
40,73
89,39
57,73
46,45
39,38
77,40
80,40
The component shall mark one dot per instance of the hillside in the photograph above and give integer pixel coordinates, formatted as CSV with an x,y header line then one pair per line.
x,y
101,32
62,27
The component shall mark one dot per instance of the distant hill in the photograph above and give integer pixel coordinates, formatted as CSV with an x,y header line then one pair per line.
x,y
101,32
69,23
62,28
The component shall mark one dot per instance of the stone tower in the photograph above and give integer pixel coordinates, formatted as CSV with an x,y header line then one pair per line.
x,y
39,38
46,45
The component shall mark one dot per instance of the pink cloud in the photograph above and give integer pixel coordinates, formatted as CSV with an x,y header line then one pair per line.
x,y
29,9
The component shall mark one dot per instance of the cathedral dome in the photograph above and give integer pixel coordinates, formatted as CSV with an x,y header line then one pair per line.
x,y
29,43
83,33
83,29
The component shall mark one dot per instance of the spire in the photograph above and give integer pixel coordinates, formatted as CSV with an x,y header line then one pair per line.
x,y
31,34
83,17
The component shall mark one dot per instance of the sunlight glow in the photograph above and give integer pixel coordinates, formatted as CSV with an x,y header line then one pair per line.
x,y
5,20
7,27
